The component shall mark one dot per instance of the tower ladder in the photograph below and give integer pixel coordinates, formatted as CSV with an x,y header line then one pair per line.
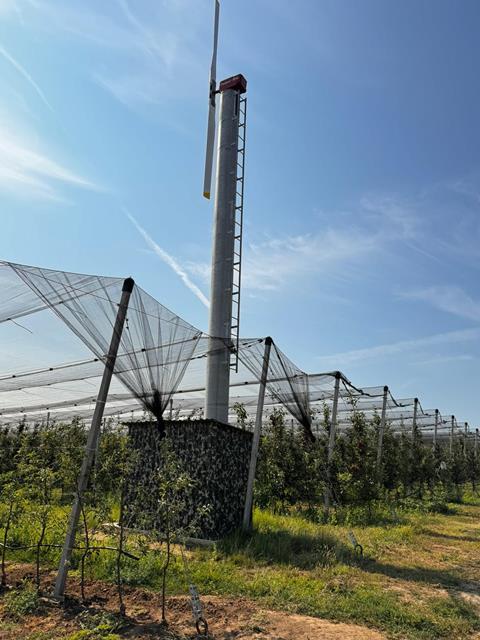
x,y
238,226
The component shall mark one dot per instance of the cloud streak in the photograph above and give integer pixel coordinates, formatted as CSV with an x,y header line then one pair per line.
x,y
364,232
170,261
403,346
451,299
28,172
24,73
146,54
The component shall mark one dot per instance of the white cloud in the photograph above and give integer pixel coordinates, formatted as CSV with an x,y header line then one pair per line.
x,y
28,171
8,7
463,357
170,261
396,217
24,73
339,360
451,299
143,53
271,264
361,233
276,262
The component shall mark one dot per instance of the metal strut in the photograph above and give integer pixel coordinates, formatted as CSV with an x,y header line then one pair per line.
x,y
238,226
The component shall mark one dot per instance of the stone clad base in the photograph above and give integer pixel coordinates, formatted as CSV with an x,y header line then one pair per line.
x,y
215,455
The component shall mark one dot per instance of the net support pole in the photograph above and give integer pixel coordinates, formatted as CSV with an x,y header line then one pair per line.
x,y
435,429
414,421
475,450
381,431
331,442
92,440
452,426
465,440
247,512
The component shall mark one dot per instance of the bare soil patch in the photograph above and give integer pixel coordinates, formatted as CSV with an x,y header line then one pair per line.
x,y
228,618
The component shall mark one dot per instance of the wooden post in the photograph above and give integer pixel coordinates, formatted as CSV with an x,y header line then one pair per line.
x,y
435,430
381,431
465,440
476,443
247,512
92,439
331,441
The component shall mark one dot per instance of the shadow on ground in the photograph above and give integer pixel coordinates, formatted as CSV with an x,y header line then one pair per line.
x,y
302,551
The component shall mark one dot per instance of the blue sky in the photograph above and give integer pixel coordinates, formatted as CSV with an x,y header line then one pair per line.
x,y
363,172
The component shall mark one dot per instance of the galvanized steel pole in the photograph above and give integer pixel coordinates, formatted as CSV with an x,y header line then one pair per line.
x,y
381,430
247,512
451,434
220,320
414,421
331,440
92,440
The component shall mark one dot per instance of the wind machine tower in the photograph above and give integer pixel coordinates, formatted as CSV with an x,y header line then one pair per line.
x,y
224,320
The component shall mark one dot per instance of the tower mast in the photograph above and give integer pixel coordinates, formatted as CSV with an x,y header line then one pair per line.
x,y
223,250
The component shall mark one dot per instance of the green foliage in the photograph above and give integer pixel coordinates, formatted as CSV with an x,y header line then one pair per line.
x,y
288,560
20,602
93,634
356,463
293,474
288,471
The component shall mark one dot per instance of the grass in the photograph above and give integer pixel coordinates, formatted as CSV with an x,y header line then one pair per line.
x,y
21,602
417,580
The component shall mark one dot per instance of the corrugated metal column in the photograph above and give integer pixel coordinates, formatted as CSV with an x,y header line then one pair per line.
x,y
92,440
331,441
247,513
220,321
381,431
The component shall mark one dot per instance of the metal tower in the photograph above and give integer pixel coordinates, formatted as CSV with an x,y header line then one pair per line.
x,y
224,321
227,242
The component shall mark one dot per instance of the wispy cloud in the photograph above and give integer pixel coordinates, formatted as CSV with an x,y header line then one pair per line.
x,y
144,53
451,299
29,172
462,357
8,7
24,73
364,232
403,346
170,261
271,264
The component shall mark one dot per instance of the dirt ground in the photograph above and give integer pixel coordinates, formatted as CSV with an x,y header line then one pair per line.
x,y
228,618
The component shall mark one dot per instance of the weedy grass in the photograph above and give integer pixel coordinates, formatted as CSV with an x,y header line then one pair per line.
x,y
410,583
21,602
